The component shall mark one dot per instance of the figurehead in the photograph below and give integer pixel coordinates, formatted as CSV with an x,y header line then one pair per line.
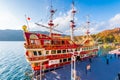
x,y
24,27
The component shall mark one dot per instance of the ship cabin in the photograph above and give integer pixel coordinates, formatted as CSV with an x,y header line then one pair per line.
x,y
47,52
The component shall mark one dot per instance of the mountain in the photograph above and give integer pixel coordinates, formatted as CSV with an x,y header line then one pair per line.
x,y
13,35
112,35
108,36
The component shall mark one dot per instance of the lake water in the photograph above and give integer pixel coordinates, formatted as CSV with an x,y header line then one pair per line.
x,y
13,66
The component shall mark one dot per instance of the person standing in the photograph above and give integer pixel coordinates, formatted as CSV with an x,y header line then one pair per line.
x,y
115,55
88,68
107,61
90,60
118,77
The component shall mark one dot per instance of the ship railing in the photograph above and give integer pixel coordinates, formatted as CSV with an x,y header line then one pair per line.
x,y
70,46
36,58
62,46
32,46
52,46
58,46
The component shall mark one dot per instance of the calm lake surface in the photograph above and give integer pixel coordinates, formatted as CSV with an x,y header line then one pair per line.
x,y
13,66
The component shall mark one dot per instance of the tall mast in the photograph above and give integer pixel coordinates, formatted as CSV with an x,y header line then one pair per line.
x,y
88,24
72,22
72,25
50,23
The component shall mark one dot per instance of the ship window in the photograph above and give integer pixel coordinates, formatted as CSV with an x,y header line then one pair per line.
x,y
60,60
39,53
32,41
89,47
64,51
46,42
64,60
47,52
58,51
63,42
69,50
75,49
69,59
53,52
85,48
35,53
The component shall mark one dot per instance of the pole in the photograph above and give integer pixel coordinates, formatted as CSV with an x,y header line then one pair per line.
x,y
72,34
27,22
40,71
73,69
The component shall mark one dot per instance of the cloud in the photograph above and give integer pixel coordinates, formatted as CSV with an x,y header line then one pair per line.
x,y
34,27
115,21
93,28
9,21
64,24
63,21
109,24
100,26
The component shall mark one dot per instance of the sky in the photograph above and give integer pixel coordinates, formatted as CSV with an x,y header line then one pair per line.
x,y
103,14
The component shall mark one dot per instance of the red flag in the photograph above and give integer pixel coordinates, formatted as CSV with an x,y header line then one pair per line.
x,y
28,18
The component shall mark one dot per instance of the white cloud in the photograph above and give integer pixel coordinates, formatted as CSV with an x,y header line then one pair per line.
x,y
63,21
115,21
34,27
9,21
110,24
103,25
93,28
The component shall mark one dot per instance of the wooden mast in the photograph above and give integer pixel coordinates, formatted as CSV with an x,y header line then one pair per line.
x,y
72,22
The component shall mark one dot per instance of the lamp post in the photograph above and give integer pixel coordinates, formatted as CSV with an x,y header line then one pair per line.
x,y
73,68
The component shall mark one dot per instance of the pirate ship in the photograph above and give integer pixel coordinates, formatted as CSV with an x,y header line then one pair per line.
x,y
89,47
46,52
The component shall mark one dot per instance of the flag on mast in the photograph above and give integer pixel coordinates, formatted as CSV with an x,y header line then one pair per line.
x,y
28,18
